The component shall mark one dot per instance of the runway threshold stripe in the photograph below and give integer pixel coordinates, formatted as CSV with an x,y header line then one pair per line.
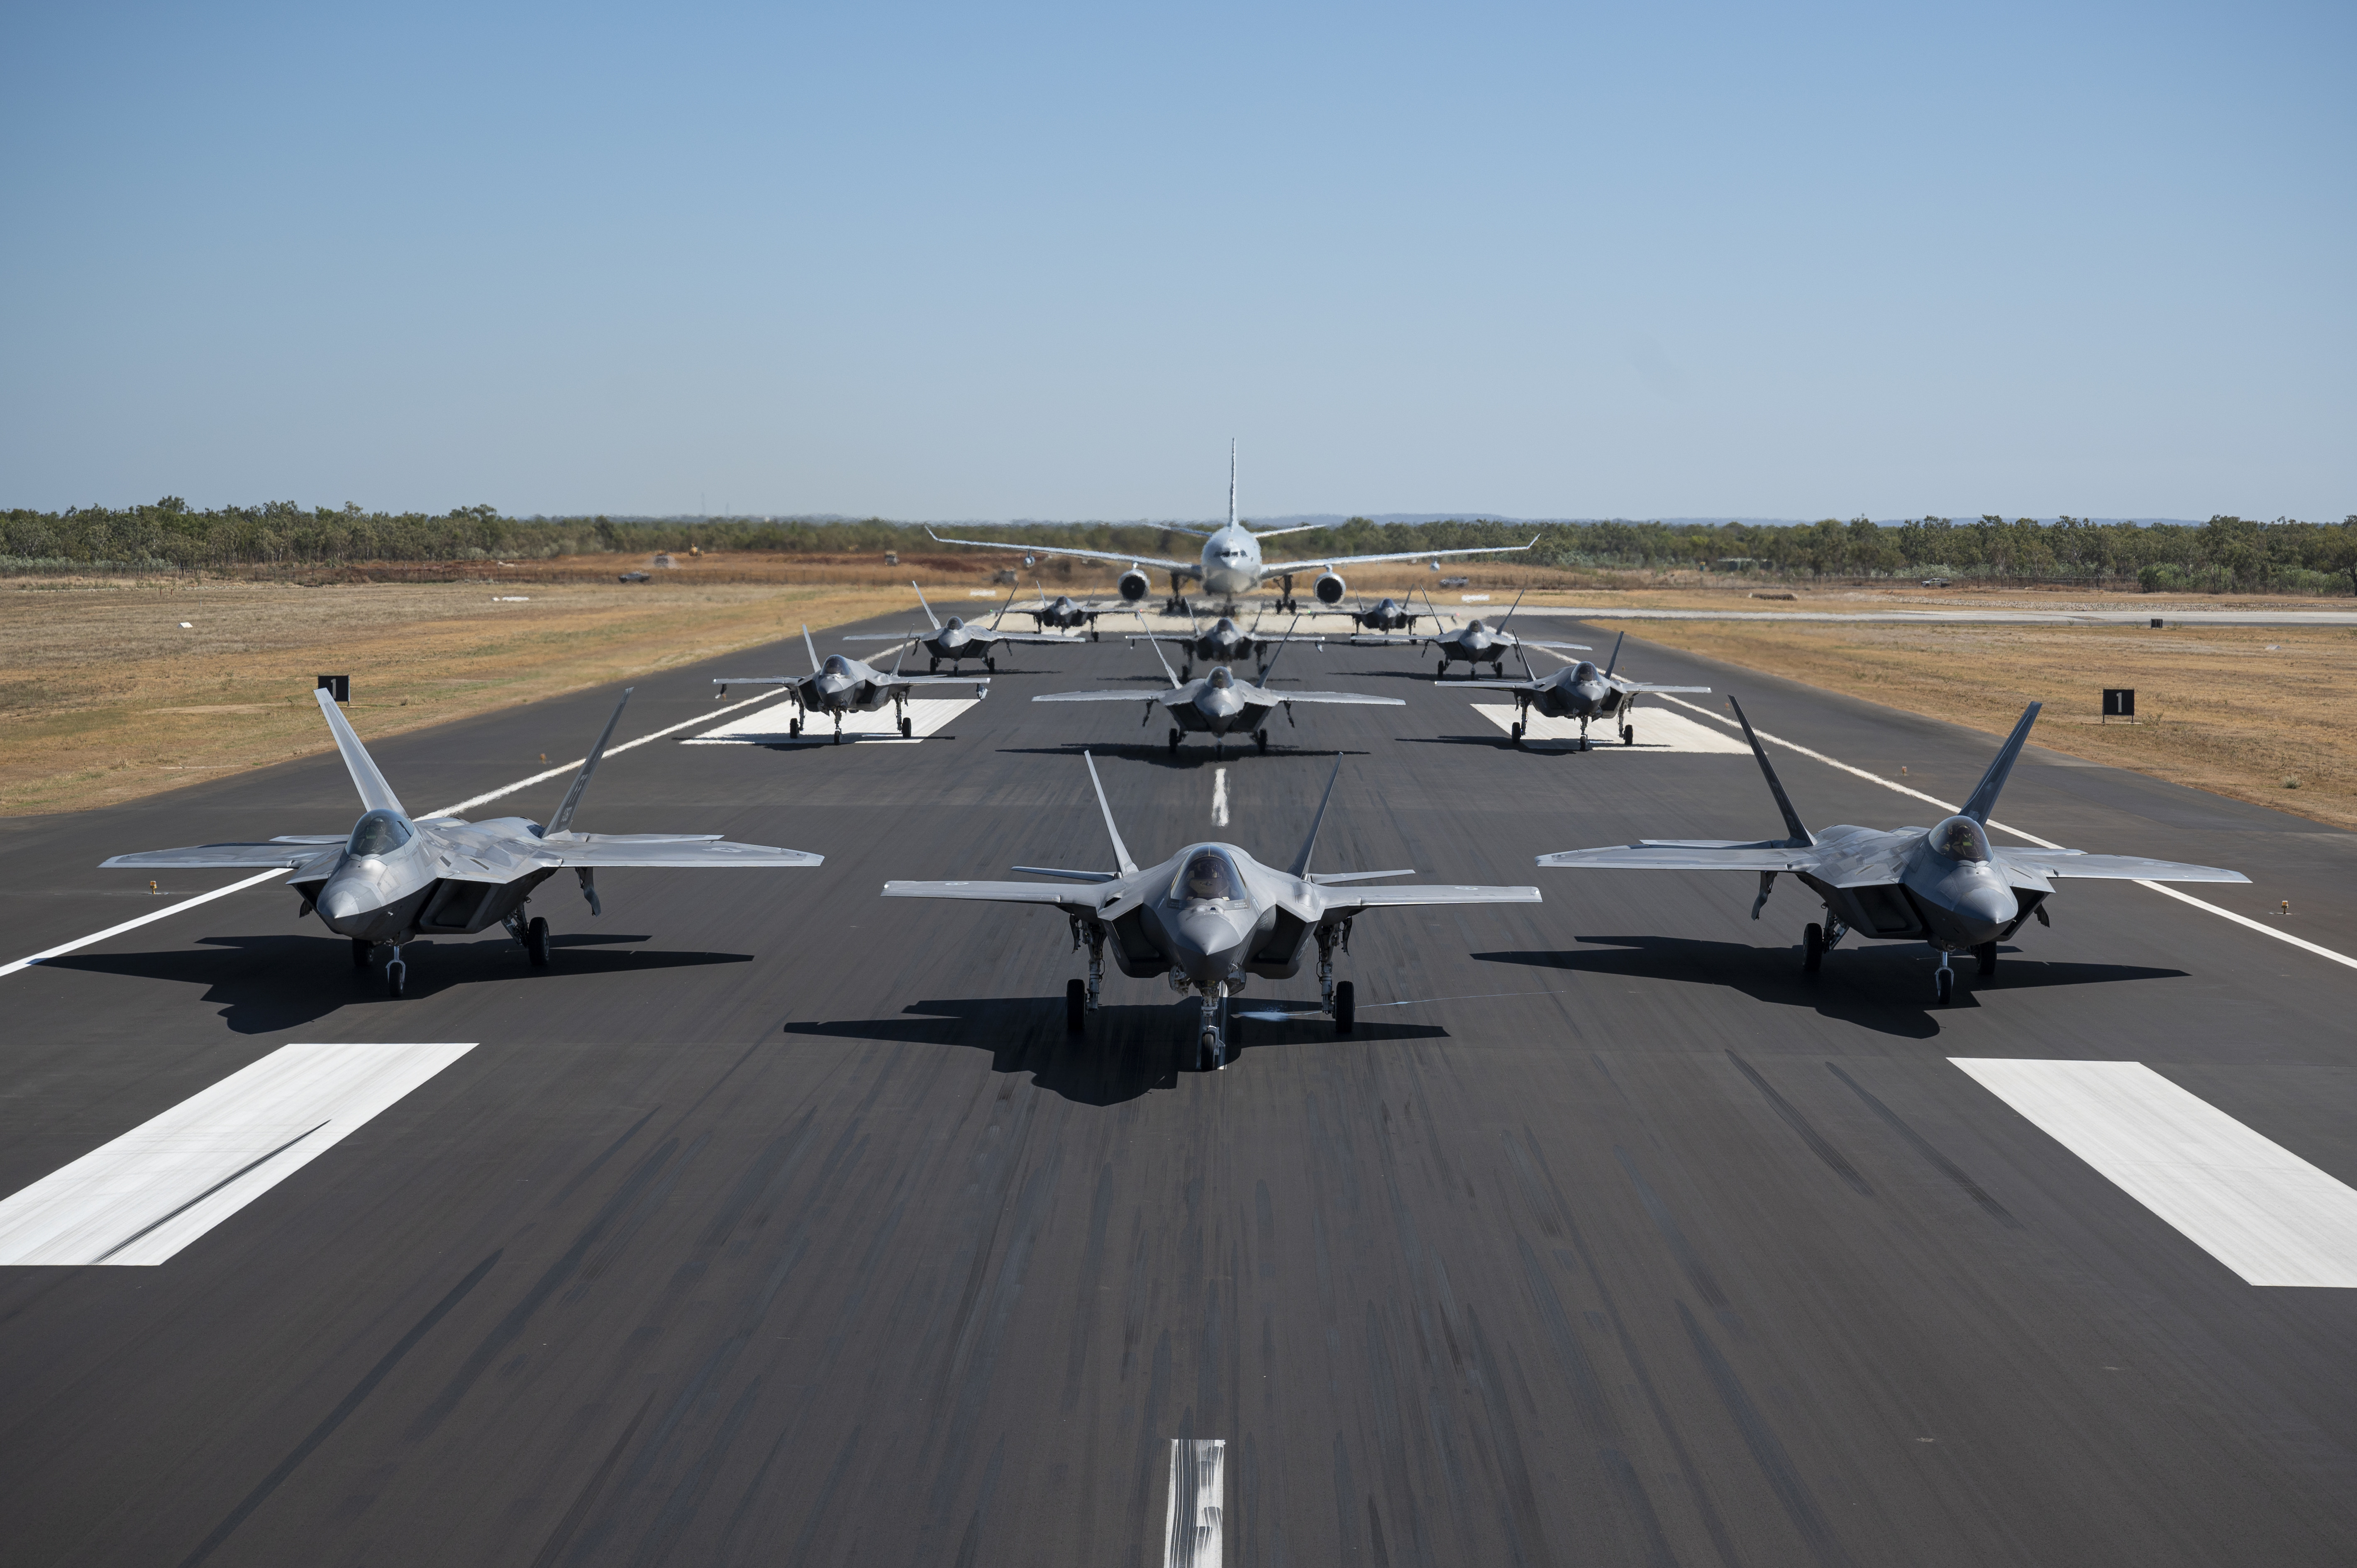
x,y
2159,888
142,1198
467,805
1190,1525
2251,1203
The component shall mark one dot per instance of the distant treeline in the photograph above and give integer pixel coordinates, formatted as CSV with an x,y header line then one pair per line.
x,y
2226,554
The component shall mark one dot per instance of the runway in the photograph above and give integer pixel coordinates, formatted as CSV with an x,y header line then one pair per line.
x,y
775,1223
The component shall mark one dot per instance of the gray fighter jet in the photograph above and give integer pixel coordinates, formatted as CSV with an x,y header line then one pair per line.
x,y
1223,642
1210,917
837,686
1476,642
1945,885
395,877
1218,705
1064,612
1384,615
957,641
1579,692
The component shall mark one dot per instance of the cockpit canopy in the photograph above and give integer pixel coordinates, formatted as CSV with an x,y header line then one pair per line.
x,y
379,832
955,623
1206,876
1961,838
836,664
1475,626
1223,676
1584,673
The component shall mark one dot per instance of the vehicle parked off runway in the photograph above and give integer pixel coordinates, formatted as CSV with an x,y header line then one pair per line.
x,y
837,686
1219,704
1231,565
1579,692
395,877
1210,917
1945,884
954,641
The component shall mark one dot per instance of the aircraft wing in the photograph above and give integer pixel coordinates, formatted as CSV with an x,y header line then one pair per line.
x,y
1336,697
1063,638
1641,686
1184,568
1428,893
995,893
936,680
223,857
760,679
1532,686
685,851
1698,855
1100,696
1582,648
2116,868
1281,568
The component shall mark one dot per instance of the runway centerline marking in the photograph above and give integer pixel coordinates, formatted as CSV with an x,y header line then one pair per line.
x,y
259,877
1219,797
1192,1536
139,1198
2271,1217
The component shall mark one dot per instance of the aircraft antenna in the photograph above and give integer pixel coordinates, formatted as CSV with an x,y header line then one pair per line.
x,y
562,821
1120,850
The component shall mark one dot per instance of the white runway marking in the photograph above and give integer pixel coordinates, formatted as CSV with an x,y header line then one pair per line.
x,y
152,1191
1219,797
768,727
79,943
1190,1525
2250,1203
1658,730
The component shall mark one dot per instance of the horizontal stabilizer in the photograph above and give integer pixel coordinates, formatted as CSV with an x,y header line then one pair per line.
x,y
1324,878
1067,875
1431,893
1686,857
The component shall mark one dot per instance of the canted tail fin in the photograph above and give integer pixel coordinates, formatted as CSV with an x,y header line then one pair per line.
x,y
1801,836
1309,844
931,618
811,646
376,795
1120,850
1615,662
563,821
1984,798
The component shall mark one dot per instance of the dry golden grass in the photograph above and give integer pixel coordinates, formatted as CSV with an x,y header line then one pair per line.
x,y
2263,714
105,697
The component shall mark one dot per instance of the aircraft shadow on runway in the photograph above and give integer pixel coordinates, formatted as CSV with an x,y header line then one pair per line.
x,y
1883,987
1194,754
1128,1050
268,984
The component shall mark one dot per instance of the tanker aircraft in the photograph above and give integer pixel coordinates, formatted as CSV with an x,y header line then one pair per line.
x,y
1218,705
1231,565
957,641
839,685
395,878
1210,917
1945,885
1579,692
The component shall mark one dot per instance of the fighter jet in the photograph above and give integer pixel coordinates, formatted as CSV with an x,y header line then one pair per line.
x,y
1478,643
1231,565
1224,643
839,685
957,641
1945,885
1218,705
1210,917
1384,615
395,878
1579,692
1063,612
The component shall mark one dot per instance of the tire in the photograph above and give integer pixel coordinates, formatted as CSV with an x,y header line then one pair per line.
x,y
795,728
1517,733
1444,671
1628,735
1346,1007
1987,953
991,665
361,951
932,666
1076,1006
1946,981
1262,739
907,728
1812,949
838,736
1174,743
396,979
535,943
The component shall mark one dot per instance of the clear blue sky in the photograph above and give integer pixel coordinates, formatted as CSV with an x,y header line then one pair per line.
x,y
1038,261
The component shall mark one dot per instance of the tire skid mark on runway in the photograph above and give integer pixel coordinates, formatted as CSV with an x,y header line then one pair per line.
x,y
337,1417
1680,1247
557,1539
1922,1146
1768,1451
1835,1161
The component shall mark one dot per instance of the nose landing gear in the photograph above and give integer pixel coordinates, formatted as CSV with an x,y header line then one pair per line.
x,y
396,975
1945,980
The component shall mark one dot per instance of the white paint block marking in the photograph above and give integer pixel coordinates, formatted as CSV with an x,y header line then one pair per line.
x,y
1190,1526
1219,797
1657,731
767,726
2250,1203
149,1193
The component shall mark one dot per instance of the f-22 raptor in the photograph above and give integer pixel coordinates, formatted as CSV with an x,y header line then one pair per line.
x,y
957,641
840,684
1210,917
1579,692
395,878
1945,885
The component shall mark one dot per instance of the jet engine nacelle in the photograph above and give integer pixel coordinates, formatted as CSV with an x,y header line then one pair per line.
x,y
1134,585
1329,589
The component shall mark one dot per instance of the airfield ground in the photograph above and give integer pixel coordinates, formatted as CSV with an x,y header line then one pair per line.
x,y
775,1223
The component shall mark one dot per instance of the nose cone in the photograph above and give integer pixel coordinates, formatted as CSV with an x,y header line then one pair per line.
x,y
1989,902
350,902
1210,944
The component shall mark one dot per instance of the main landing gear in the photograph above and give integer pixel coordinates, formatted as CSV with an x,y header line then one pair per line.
x,y
1516,732
1819,940
1628,735
535,943
1081,1000
1174,743
907,729
1340,1000
1261,739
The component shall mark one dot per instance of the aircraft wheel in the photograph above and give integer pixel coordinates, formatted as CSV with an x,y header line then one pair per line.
x,y
1812,949
1947,981
1444,671
907,727
1174,743
1076,1006
1516,731
397,976
360,952
535,943
1628,735
1261,737
991,665
1987,953
794,728
932,666
1346,1007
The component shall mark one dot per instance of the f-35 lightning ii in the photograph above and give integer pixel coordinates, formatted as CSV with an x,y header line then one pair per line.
x,y
395,877
1476,642
1384,614
1579,692
1945,885
955,641
1210,917
1063,612
1218,705
1223,642
839,685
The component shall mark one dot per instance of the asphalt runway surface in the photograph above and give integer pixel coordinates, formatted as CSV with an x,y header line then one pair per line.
x,y
777,1224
